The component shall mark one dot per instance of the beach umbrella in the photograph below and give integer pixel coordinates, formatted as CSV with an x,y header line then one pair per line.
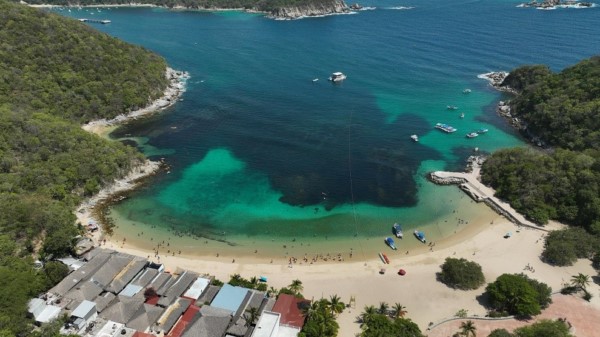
x,y
402,272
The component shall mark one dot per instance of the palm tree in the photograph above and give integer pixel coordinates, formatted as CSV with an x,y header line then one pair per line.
x,y
312,310
254,280
468,328
383,308
580,281
399,310
336,305
272,291
250,316
296,286
368,312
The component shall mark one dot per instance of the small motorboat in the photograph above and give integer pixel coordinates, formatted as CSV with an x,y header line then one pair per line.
x,y
315,80
467,91
472,135
414,138
451,107
482,130
397,229
337,77
390,242
420,236
462,115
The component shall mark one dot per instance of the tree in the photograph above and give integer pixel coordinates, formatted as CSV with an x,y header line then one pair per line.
x,y
383,308
55,271
468,328
368,313
517,295
149,293
320,321
500,333
399,310
296,286
336,305
381,325
461,274
580,281
251,315
544,328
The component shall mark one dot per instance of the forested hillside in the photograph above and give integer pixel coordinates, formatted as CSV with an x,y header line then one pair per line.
x,y
562,109
563,183
259,5
56,73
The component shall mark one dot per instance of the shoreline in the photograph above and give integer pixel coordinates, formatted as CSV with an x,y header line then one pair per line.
x,y
87,212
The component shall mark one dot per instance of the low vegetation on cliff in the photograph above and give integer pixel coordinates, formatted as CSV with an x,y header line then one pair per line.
x,y
56,73
267,6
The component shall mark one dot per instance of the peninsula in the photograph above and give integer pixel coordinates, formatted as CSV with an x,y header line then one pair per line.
x,y
277,9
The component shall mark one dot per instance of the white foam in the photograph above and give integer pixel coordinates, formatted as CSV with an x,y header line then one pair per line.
x,y
368,9
400,7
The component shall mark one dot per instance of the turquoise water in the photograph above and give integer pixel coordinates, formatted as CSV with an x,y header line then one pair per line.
x,y
258,150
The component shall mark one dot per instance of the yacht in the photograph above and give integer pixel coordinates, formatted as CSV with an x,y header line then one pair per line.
x,y
445,127
472,135
337,77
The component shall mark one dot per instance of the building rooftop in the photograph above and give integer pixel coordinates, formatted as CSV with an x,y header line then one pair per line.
x,y
267,325
230,298
197,288
83,309
172,313
290,309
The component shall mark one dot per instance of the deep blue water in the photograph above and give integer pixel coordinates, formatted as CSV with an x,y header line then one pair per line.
x,y
258,148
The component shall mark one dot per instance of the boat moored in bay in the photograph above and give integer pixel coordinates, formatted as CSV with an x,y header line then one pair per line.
x,y
390,242
397,229
445,127
420,236
337,77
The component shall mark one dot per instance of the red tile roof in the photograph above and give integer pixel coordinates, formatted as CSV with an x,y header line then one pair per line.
x,y
290,309
183,322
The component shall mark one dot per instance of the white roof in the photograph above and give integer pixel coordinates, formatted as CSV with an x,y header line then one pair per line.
x,y
130,290
287,331
337,73
267,325
84,309
110,329
49,313
36,305
197,288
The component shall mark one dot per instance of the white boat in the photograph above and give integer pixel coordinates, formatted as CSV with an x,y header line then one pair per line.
x,y
337,77
480,131
467,91
445,127
315,79
462,115
415,138
472,135
451,107
398,230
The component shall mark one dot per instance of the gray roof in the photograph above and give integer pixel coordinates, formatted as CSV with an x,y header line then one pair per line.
x,y
130,290
239,328
172,314
159,281
123,309
208,295
104,301
145,277
85,290
256,300
166,286
84,309
145,317
81,274
111,268
212,322
127,274
181,284
270,303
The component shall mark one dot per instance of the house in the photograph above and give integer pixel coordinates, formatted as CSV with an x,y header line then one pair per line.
x,y
84,313
229,298
290,307
42,312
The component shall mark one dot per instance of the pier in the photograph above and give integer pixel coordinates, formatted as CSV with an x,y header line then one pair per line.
x,y
104,22
469,183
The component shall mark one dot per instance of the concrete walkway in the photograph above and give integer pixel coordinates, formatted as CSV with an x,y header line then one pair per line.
x,y
481,193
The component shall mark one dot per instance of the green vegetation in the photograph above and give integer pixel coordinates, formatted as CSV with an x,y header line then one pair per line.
x,y
56,73
259,5
461,274
543,328
385,323
517,294
252,283
320,318
564,247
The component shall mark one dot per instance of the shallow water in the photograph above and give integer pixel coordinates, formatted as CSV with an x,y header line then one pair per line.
x,y
262,153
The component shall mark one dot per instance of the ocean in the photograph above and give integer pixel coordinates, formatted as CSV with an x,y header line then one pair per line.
x,y
264,155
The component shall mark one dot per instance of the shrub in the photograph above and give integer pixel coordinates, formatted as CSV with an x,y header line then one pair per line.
x,y
518,295
461,274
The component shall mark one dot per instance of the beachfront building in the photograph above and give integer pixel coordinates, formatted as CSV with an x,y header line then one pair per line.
x,y
291,309
113,294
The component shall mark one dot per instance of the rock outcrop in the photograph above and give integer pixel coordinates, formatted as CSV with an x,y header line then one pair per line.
x,y
310,9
